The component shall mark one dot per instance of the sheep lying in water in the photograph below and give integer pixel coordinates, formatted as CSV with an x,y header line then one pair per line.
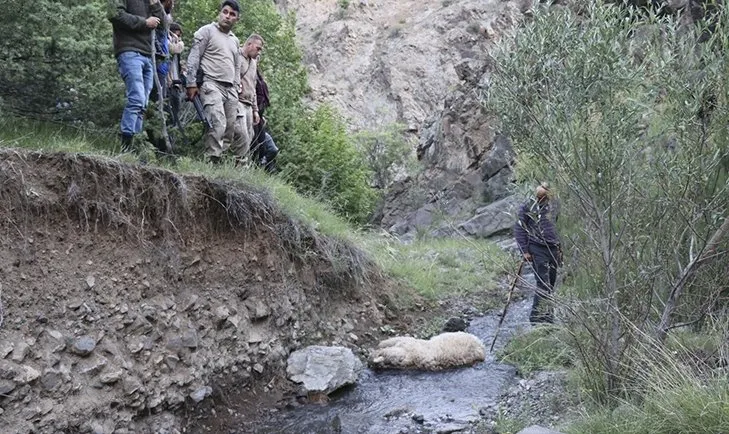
x,y
446,350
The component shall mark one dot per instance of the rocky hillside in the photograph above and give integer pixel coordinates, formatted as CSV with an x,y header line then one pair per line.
x,y
128,294
420,63
385,61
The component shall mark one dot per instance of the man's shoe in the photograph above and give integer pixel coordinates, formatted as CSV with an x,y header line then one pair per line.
x,y
127,144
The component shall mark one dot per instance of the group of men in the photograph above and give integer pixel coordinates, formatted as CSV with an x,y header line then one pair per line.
x,y
220,72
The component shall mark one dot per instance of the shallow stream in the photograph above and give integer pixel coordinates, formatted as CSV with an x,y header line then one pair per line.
x,y
385,402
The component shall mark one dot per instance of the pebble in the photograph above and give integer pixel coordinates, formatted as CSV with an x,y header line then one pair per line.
x,y
201,393
83,345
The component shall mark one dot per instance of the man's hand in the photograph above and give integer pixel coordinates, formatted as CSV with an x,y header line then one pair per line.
x,y
191,92
527,256
152,22
256,118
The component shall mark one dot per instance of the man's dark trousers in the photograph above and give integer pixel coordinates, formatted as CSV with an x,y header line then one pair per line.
x,y
544,262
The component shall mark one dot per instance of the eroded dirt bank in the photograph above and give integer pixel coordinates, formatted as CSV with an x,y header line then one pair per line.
x,y
129,294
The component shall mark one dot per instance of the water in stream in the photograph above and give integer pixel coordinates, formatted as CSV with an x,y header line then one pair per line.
x,y
385,402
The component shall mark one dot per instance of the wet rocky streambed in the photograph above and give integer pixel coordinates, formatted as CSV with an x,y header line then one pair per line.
x,y
396,401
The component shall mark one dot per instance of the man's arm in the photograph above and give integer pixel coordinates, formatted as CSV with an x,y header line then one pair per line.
x,y
520,231
199,45
256,115
237,60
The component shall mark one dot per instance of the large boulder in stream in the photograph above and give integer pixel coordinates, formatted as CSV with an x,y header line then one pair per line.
x,y
323,369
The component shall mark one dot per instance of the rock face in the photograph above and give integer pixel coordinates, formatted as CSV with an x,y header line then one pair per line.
x,y
386,61
323,369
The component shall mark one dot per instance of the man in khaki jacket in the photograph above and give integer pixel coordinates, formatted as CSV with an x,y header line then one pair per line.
x,y
214,61
247,104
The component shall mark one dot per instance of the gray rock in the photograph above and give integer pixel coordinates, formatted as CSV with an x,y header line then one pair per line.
x,y
83,345
258,309
6,386
201,393
189,339
27,374
5,349
20,351
536,429
451,428
493,219
51,379
323,369
111,376
455,325
92,366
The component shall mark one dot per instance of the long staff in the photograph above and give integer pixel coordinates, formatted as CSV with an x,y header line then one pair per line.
x,y
508,302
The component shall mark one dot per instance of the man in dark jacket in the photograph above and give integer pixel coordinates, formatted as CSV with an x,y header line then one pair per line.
x,y
536,234
264,148
133,22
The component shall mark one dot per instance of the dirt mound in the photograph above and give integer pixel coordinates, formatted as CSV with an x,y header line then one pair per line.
x,y
131,293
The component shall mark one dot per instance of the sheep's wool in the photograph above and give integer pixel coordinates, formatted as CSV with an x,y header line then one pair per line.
x,y
446,350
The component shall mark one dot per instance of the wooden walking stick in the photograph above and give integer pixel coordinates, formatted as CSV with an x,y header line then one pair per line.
x,y
508,301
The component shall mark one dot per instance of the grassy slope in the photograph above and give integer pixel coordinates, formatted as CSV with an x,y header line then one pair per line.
x,y
434,269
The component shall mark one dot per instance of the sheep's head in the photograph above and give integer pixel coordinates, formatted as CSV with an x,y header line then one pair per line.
x,y
390,357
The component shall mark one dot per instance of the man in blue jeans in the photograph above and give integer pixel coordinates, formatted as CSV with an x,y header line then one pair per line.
x,y
536,234
133,22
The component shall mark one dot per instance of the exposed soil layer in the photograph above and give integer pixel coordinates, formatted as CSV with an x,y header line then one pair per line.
x,y
132,297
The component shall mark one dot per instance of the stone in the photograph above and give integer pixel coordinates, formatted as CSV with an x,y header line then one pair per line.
x,y
92,366
90,281
6,386
200,394
27,374
221,314
258,309
20,351
83,345
111,376
258,368
5,349
536,429
323,369
455,324
189,339
51,379
451,428
499,217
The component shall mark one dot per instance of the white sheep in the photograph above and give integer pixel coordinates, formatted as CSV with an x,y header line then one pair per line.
x,y
446,350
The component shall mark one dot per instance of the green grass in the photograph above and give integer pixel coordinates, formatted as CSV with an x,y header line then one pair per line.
x,y
541,348
441,267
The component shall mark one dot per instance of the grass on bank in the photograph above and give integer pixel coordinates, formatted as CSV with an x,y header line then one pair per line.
x,y
434,268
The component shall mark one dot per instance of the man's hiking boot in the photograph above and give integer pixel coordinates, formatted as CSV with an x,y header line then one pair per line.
x,y
127,144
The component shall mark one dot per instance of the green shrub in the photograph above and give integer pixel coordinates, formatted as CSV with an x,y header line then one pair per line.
x,y
321,161
386,151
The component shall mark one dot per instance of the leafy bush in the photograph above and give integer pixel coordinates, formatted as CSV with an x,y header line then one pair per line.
x,y
321,161
386,151
626,113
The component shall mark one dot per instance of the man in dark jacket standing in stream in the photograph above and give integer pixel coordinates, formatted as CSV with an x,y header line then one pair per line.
x,y
132,22
536,234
